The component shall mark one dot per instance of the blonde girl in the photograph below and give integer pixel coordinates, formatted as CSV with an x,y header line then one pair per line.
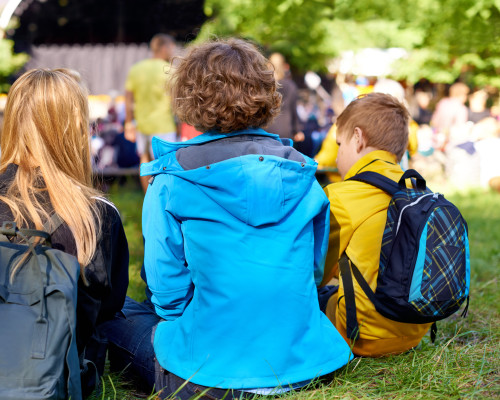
x,y
45,167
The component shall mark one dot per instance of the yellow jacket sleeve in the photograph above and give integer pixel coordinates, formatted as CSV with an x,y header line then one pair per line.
x,y
327,156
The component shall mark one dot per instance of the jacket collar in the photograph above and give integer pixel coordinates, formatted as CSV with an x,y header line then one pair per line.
x,y
161,148
365,161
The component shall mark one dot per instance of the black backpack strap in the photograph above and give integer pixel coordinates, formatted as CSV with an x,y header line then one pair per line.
x,y
352,327
418,183
388,185
364,285
346,266
466,308
378,180
434,329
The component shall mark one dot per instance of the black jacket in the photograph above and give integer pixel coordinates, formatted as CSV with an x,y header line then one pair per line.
x,y
107,274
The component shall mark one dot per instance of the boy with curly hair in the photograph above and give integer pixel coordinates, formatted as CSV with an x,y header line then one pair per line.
x,y
235,233
372,135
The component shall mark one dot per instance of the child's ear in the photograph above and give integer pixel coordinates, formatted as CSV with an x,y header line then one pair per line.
x,y
360,139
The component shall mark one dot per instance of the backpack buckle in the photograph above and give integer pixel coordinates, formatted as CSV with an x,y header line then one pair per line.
x,y
9,228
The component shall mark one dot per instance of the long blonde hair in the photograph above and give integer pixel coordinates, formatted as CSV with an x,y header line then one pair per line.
x,y
46,133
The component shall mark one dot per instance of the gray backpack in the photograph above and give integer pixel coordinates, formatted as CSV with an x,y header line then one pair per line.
x,y
38,354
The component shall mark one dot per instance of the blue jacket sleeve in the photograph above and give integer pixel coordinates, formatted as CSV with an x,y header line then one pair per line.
x,y
321,224
167,275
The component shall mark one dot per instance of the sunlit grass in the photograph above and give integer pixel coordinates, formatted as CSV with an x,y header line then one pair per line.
x,y
463,363
128,198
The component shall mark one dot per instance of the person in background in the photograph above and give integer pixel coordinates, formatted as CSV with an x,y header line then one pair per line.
x,y
477,106
450,113
363,85
423,114
286,124
148,108
327,156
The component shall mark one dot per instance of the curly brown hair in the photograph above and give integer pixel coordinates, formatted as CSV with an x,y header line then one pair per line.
x,y
225,85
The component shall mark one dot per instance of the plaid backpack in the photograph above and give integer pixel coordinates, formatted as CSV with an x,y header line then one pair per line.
x,y
424,270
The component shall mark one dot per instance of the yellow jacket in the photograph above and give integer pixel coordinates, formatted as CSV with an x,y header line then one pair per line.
x,y
357,220
327,156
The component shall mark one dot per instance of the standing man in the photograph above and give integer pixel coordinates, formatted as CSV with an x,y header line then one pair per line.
x,y
147,102
286,124
451,114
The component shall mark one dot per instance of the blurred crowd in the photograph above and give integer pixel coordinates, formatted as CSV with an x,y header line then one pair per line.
x,y
454,131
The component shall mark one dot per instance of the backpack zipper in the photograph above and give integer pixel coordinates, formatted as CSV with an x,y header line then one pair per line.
x,y
435,195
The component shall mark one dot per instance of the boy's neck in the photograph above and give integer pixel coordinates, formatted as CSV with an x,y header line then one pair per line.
x,y
366,150
368,157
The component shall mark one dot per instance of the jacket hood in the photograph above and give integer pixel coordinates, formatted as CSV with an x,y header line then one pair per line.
x,y
257,189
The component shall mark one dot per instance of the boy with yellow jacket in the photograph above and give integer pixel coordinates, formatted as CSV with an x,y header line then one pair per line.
x,y
372,135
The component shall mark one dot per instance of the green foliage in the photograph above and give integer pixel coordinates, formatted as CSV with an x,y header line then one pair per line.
x,y
461,38
292,27
445,38
9,63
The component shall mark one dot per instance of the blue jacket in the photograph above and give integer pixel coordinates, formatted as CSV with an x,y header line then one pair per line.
x,y
234,250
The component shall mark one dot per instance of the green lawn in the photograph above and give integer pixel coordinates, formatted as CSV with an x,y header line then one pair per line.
x,y
463,363
128,199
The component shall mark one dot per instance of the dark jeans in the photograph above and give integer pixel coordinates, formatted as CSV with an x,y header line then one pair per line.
x,y
130,335
324,295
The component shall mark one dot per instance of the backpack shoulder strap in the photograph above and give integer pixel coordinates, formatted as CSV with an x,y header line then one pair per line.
x,y
347,271
378,180
352,327
54,222
49,227
388,185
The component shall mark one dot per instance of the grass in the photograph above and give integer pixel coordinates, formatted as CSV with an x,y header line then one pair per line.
x,y
128,199
463,363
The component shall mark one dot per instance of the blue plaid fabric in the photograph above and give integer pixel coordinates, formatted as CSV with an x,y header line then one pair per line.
x,y
444,275
444,283
424,269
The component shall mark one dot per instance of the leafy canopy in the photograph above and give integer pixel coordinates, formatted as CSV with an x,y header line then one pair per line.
x,y
9,63
445,38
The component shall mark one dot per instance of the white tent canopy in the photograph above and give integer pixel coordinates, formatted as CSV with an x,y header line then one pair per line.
x,y
367,62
